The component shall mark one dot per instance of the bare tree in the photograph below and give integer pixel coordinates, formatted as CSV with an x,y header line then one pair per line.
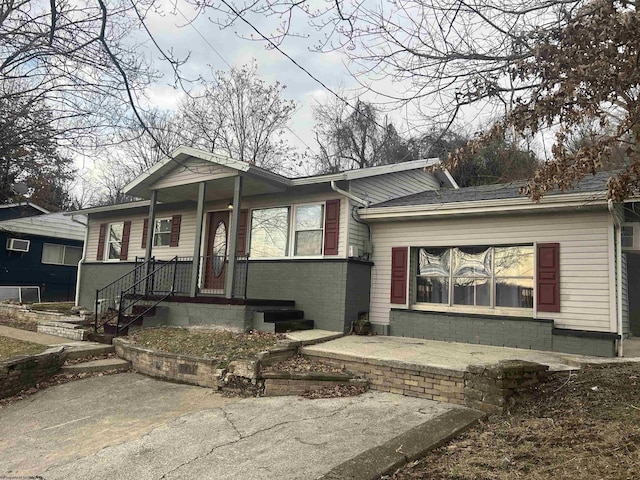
x,y
348,139
80,58
241,115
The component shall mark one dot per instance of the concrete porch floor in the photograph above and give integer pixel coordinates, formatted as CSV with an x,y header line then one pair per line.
x,y
402,352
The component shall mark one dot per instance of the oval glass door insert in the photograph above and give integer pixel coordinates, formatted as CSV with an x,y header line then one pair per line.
x,y
219,248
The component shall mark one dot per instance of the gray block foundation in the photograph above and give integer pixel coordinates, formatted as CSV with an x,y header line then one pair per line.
x,y
518,332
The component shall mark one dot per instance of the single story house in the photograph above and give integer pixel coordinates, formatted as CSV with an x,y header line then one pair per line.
x,y
218,241
39,256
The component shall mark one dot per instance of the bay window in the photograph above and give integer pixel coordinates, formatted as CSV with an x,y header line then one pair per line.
x,y
476,276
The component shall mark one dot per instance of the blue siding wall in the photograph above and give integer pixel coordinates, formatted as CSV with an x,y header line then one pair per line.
x,y
56,282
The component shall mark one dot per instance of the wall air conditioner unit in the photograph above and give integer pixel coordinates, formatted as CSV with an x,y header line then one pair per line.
x,y
18,245
630,237
355,252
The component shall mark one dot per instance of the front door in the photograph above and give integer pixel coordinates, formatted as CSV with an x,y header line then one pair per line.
x,y
215,263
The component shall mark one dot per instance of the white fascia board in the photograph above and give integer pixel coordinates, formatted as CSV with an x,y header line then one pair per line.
x,y
366,172
183,153
24,204
110,208
575,200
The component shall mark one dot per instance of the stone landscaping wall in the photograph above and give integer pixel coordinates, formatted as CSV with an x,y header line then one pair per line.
x,y
490,388
410,380
169,366
20,373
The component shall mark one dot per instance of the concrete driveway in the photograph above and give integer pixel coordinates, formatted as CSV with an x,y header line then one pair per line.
x,y
129,426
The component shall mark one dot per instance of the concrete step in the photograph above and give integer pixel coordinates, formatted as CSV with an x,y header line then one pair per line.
x,y
282,315
87,349
293,325
62,329
97,366
105,338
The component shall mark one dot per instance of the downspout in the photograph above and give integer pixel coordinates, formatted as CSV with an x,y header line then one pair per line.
x,y
84,256
617,246
351,196
354,214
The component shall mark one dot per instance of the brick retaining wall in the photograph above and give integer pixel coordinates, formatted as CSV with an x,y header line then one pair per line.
x,y
20,373
297,383
404,379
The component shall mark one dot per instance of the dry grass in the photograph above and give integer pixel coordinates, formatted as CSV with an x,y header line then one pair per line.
x,y
222,345
10,347
583,426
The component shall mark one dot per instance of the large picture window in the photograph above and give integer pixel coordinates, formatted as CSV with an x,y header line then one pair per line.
x,y
269,232
61,254
114,241
308,223
476,276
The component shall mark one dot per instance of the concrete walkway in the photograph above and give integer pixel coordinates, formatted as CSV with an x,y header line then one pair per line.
x,y
415,352
75,349
129,426
33,337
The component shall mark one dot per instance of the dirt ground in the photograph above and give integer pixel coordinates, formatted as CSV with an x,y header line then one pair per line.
x,y
584,425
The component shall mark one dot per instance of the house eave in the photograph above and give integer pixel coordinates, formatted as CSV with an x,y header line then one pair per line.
x,y
365,172
500,206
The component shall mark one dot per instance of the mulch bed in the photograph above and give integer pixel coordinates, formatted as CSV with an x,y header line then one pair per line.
x,y
223,345
300,364
584,425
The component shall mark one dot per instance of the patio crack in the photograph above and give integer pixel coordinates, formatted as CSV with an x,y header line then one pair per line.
x,y
244,437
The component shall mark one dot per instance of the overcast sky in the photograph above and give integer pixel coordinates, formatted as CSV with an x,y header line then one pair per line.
x,y
223,47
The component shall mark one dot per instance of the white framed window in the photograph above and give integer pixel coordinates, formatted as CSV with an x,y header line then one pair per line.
x,y
308,230
162,232
55,254
114,241
475,276
269,232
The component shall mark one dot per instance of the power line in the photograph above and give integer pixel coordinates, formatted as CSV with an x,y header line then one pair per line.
x,y
190,22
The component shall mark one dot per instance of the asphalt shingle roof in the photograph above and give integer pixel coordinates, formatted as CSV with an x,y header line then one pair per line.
x,y
591,183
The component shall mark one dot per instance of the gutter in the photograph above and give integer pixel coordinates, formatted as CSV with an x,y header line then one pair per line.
x,y
618,280
485,206
351,196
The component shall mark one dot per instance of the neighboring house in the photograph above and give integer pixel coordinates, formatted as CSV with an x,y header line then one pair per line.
x,y
487,265
40,251
10,211
302,236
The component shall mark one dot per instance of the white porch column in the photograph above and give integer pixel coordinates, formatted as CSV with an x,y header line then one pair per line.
x,y
149,247
195,267
150,226
233,238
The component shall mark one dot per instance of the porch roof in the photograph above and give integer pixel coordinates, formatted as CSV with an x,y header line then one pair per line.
x,y
257,180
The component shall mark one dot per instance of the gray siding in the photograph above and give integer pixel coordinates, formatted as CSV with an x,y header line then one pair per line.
x,y
385,187
393,185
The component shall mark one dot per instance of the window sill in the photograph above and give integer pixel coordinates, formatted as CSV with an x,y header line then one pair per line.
x,y
500,311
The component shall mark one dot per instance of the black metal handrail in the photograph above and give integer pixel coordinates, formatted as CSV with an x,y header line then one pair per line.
x,y
107,296
129,297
